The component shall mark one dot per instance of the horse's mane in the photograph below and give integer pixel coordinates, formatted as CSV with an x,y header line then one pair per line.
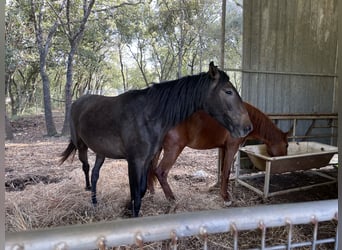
x,y
173,101
263,127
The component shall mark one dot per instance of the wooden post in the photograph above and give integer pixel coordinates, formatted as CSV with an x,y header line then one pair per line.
x,y
223,35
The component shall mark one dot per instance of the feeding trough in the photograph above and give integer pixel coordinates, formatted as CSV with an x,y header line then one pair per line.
x,y
301,156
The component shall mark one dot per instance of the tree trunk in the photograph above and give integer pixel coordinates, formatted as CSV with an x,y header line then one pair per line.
x,y
125,87
223,32
50,125
74,40
68,93
181,43
9,131
14,100
43,48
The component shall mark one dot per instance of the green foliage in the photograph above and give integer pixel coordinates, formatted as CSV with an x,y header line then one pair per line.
x,y
21,58
155,40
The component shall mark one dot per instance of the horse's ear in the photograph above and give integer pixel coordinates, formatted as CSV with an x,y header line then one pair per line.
x,y
213,71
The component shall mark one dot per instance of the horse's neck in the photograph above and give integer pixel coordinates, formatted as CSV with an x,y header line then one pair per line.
x,y
174,101
264,129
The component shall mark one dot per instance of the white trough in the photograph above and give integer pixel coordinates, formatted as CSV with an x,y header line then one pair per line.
x,y
301,156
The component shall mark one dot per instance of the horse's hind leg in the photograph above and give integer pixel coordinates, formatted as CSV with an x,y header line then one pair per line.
x,y
166,163
95,176
151,172
83,156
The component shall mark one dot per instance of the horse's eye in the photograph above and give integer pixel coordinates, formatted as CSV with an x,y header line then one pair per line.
x,y
229,92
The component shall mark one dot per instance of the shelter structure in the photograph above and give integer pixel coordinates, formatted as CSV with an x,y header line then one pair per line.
x,y
289,64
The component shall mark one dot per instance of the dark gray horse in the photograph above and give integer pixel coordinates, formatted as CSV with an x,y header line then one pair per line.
x,y
132,125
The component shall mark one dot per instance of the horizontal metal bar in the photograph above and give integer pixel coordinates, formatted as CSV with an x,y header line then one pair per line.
x,y
156,228
251,175
322,116
325,241
249,186
307,243
301,244
271,72
289,190
240,179
276,247
324,175
312,136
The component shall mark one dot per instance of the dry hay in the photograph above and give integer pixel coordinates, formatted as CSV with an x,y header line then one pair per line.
x,y
40,193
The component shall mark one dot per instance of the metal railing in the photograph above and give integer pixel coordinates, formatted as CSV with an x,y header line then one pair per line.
x,y
173,227
331,125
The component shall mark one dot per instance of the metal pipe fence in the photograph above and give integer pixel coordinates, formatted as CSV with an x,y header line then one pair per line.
x,y
173,227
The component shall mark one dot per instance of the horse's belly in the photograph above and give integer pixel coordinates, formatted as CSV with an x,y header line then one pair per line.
x,y
204,145
206,142
106,146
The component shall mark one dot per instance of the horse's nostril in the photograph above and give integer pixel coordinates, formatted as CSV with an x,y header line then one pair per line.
x,y
248,129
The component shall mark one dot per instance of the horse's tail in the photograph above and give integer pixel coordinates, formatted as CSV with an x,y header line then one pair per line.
x,y
71,149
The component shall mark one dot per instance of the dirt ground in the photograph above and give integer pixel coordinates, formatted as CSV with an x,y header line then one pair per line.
x,y
41,193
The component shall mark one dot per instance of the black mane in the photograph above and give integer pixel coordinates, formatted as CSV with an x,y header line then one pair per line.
x,y
173,101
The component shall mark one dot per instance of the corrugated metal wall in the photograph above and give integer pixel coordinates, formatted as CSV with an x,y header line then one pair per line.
x,y
289,55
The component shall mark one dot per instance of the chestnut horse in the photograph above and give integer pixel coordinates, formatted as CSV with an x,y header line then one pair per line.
x,y
132,125
200,131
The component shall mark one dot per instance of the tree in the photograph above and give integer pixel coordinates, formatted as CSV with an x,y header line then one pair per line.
x,y
122,68
165,44
125,45
8,126
74,29
43,42
21,67
131,27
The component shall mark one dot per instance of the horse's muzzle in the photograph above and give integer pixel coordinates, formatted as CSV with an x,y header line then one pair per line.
x,y
242,131
247,129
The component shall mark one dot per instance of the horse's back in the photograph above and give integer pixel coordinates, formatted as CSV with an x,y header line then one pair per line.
x,y
102,108
108,125
88,102
95,120
94,111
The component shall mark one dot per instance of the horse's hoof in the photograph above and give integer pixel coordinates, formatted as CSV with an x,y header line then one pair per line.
x,y
227,203
136,214
94,202
129,206
214,187
151,193
171,199
88,188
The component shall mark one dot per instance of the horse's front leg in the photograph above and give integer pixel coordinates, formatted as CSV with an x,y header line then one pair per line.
x,y
220,171
137,173
227,163
95,176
